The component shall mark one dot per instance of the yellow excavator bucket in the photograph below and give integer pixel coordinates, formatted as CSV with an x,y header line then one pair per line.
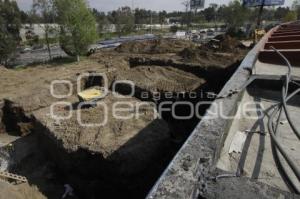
x,y
89,94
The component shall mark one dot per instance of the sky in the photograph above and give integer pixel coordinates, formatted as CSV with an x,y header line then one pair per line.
x,y
108,5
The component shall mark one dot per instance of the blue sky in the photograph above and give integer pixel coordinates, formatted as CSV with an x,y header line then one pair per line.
x,y
108,5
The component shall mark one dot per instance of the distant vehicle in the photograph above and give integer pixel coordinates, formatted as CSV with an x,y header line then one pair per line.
x,y
210,32
93,48
196,38
180,34
26,50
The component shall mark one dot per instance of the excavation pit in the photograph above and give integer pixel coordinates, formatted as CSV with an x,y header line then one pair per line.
x,y
123,158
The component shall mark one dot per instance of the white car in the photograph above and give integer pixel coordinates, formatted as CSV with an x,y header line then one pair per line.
x,y
26,50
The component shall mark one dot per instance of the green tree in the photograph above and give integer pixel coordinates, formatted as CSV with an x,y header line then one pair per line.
x,y
187,18
296,7
10,24
162,17
210,13
123,19
280,13
173,29
102,21
290,16
141,16
78,26
45,7
235,15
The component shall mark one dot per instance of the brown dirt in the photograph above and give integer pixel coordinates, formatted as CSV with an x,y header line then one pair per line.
x,y
209,58
128,147
223,50
105,139
157,46
224,43
162,78
22,191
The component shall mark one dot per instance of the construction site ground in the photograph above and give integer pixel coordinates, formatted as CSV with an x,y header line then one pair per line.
x,y
122,157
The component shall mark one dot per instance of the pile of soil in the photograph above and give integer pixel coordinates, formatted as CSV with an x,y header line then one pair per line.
x,y
209,58
162,78
222,50
157,46
223,43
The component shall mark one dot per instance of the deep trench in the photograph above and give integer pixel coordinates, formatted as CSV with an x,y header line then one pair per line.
x,y
14,120
82,169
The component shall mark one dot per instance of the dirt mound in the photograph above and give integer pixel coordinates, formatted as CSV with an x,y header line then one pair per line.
x,y
208,57
223,50
156,46
162,78
224,43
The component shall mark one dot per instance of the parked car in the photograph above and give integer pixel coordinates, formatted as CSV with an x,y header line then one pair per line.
x,y
26,50
210,32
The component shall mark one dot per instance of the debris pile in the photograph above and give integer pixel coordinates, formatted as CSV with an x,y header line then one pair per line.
x,y
162,78
157,46
220,51
208,58
223,43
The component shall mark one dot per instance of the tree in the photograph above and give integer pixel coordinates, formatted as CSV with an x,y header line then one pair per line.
x,y
102,20
280,13
209,13
124,20
173,29
296,7
187,17
290,16
45,7
235,15
162,17
78,26
141,16
10,24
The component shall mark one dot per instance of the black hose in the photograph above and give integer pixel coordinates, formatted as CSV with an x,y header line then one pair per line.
x,y
275,143
293,166
282,170
287,113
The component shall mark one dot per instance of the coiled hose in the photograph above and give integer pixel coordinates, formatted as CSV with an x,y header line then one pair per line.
x,y
276,145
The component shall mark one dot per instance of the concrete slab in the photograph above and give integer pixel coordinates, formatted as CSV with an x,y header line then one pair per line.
x,y
261,68
256,160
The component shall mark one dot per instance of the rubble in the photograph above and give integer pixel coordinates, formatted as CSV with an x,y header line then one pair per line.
x,y
156,46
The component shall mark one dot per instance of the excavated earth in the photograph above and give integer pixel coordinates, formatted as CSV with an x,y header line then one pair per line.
x,y
123,157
